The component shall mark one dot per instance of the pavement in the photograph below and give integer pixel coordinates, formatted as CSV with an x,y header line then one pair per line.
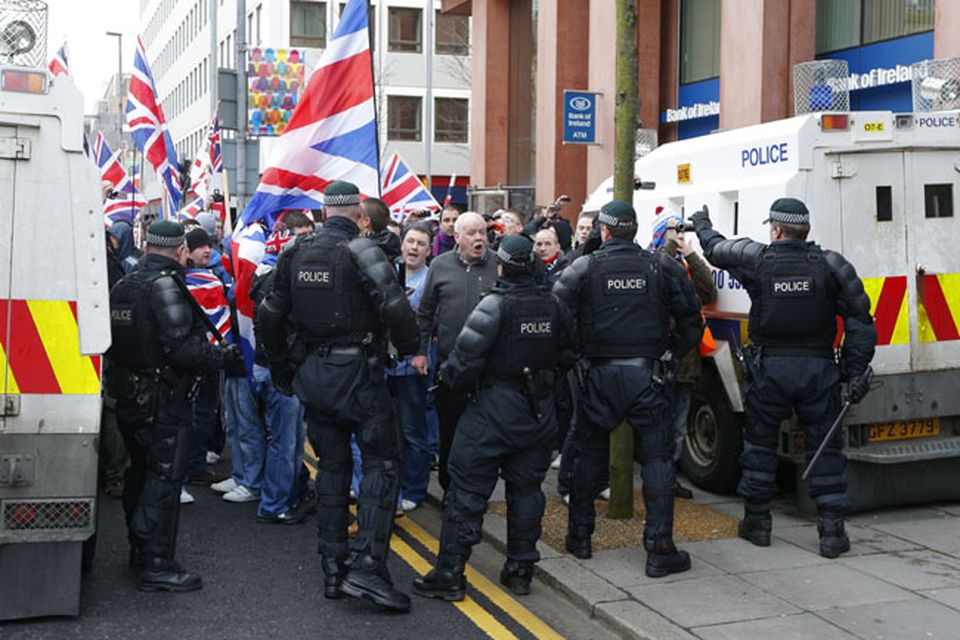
x,y
900,580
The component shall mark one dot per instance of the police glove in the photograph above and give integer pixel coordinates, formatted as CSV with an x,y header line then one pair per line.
x,y
701,219
232,357
859,386
282,377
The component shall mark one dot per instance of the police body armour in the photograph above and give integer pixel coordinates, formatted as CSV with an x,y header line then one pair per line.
x,y
133,326
623,314
328,302
795,307
528,335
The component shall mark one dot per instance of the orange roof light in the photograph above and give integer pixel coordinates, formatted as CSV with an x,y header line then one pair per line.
x,y
23,81
834,122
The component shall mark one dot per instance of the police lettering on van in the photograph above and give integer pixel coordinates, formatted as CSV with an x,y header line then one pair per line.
x,y
764,154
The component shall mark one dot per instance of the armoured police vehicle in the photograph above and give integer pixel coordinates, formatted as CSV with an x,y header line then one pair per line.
x,y
53,323
881,188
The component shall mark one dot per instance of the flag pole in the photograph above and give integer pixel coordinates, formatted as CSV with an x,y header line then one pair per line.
x,y
373,90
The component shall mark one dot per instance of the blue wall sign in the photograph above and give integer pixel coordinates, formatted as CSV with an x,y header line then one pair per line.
x,y
579,117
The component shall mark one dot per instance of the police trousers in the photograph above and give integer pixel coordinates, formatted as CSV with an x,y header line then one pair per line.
x,y
616,393
346,394
498,436
781,385
154,417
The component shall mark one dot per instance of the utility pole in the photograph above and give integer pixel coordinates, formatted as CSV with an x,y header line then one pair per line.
x,y
119,37
625,126
241,65
428,111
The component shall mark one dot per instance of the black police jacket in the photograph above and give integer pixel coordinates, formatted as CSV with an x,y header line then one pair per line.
x,y
630,302
335,288
796,290
154,325
518,325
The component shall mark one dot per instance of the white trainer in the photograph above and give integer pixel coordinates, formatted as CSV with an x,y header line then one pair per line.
x,y
213,458
225,486
241,494
556,463
408,505
185,497
605,494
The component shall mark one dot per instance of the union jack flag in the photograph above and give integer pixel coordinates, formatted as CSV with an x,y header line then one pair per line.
x,y
403,191
332,134
448,199
207,289
60,63
149,128
192,209
125,206
109,164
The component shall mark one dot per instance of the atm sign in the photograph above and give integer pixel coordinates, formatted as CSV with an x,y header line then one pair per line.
x,y
683,173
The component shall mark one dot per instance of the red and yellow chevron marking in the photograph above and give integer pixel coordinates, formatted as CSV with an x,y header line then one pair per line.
x,y
888,306
938,314
40,349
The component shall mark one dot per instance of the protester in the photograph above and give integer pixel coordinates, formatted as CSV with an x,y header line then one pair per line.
x,y
668,238
444,240
549,216
547,247
455,282
409,387
512,222
373,225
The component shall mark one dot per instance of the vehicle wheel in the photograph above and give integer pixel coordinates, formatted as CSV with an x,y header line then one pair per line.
x,y
714,440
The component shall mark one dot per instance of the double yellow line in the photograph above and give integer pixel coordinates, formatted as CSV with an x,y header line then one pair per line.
x,y
480,617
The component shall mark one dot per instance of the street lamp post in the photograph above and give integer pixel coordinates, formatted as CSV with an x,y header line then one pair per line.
x,y
119,37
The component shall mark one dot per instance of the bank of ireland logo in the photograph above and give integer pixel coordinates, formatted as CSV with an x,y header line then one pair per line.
x,y
580,103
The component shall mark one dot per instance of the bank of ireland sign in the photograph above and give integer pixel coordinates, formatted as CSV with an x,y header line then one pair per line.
x,y
579,117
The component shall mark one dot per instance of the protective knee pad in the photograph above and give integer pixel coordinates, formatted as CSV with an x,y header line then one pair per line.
x,y
525,507
376,505
333,515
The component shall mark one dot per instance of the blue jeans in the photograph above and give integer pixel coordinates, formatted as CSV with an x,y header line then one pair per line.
x,y
682,394
268,467
411,394
284,449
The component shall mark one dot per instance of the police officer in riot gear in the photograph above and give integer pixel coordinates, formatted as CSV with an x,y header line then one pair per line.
x,y
797,291
625,300
159,349
508,351
325,326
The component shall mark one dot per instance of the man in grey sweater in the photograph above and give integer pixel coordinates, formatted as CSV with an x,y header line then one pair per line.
x,y
455,282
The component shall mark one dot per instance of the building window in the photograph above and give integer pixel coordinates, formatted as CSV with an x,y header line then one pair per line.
x,y
258,24
452,119
699,40
405,32
851,23
403,118
308,24
453,34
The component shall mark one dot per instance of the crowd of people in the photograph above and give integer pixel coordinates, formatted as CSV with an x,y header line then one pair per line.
x,y
476,345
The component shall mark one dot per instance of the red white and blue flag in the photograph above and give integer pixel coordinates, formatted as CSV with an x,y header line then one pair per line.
x,y
148,127
206,172
448,199
402,190
125,206
332,135
192,209
109,164
60,63
207,289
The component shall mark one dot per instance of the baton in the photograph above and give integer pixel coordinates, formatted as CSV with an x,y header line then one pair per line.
x,y
208,323
826,439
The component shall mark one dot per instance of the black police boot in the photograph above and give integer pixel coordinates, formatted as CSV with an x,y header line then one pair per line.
x,y
578,543
368,579
333,572
159,574
755,527
663,558
681,491
443,583
833,536
516,577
